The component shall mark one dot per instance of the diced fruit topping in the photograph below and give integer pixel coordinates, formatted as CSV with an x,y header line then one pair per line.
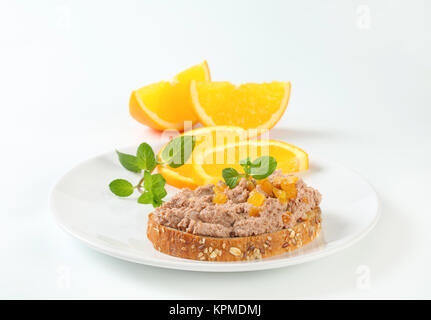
x,y
292,179
256,198
289,188
280,194
286,217
220,187
250,185
219,198
276,181
279,180
266,186
254,212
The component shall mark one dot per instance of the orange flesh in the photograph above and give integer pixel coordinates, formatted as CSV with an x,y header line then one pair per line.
x,y
208,168
167,104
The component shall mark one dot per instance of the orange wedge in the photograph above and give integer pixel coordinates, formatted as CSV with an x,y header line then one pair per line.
x,y
167,104
249,106
209,163
206,138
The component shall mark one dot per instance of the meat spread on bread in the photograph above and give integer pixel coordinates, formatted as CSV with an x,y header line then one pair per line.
x,y
254,220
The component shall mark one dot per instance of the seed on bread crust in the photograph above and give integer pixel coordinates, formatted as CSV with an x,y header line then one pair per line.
x,y
235,251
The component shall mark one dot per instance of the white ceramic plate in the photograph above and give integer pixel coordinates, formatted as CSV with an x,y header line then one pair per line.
x,y
84,207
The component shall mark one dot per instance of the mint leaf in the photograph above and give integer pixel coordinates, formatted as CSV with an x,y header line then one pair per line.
x,y
262,167
178,151
148,180
146,198
157,202
246,164
158,187
154,189
158,180
121,187
159,194
231,177
129,162
153,186
145,157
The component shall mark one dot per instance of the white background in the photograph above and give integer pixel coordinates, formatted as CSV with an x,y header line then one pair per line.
x,y
361,94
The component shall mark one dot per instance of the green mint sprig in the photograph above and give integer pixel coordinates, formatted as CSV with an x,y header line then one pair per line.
x,y
178,151
258,169
152,186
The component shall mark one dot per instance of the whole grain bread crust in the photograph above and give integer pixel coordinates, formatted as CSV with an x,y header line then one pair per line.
x,y
189,246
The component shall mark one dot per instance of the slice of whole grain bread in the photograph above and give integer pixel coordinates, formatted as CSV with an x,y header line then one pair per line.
x,y
189,246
